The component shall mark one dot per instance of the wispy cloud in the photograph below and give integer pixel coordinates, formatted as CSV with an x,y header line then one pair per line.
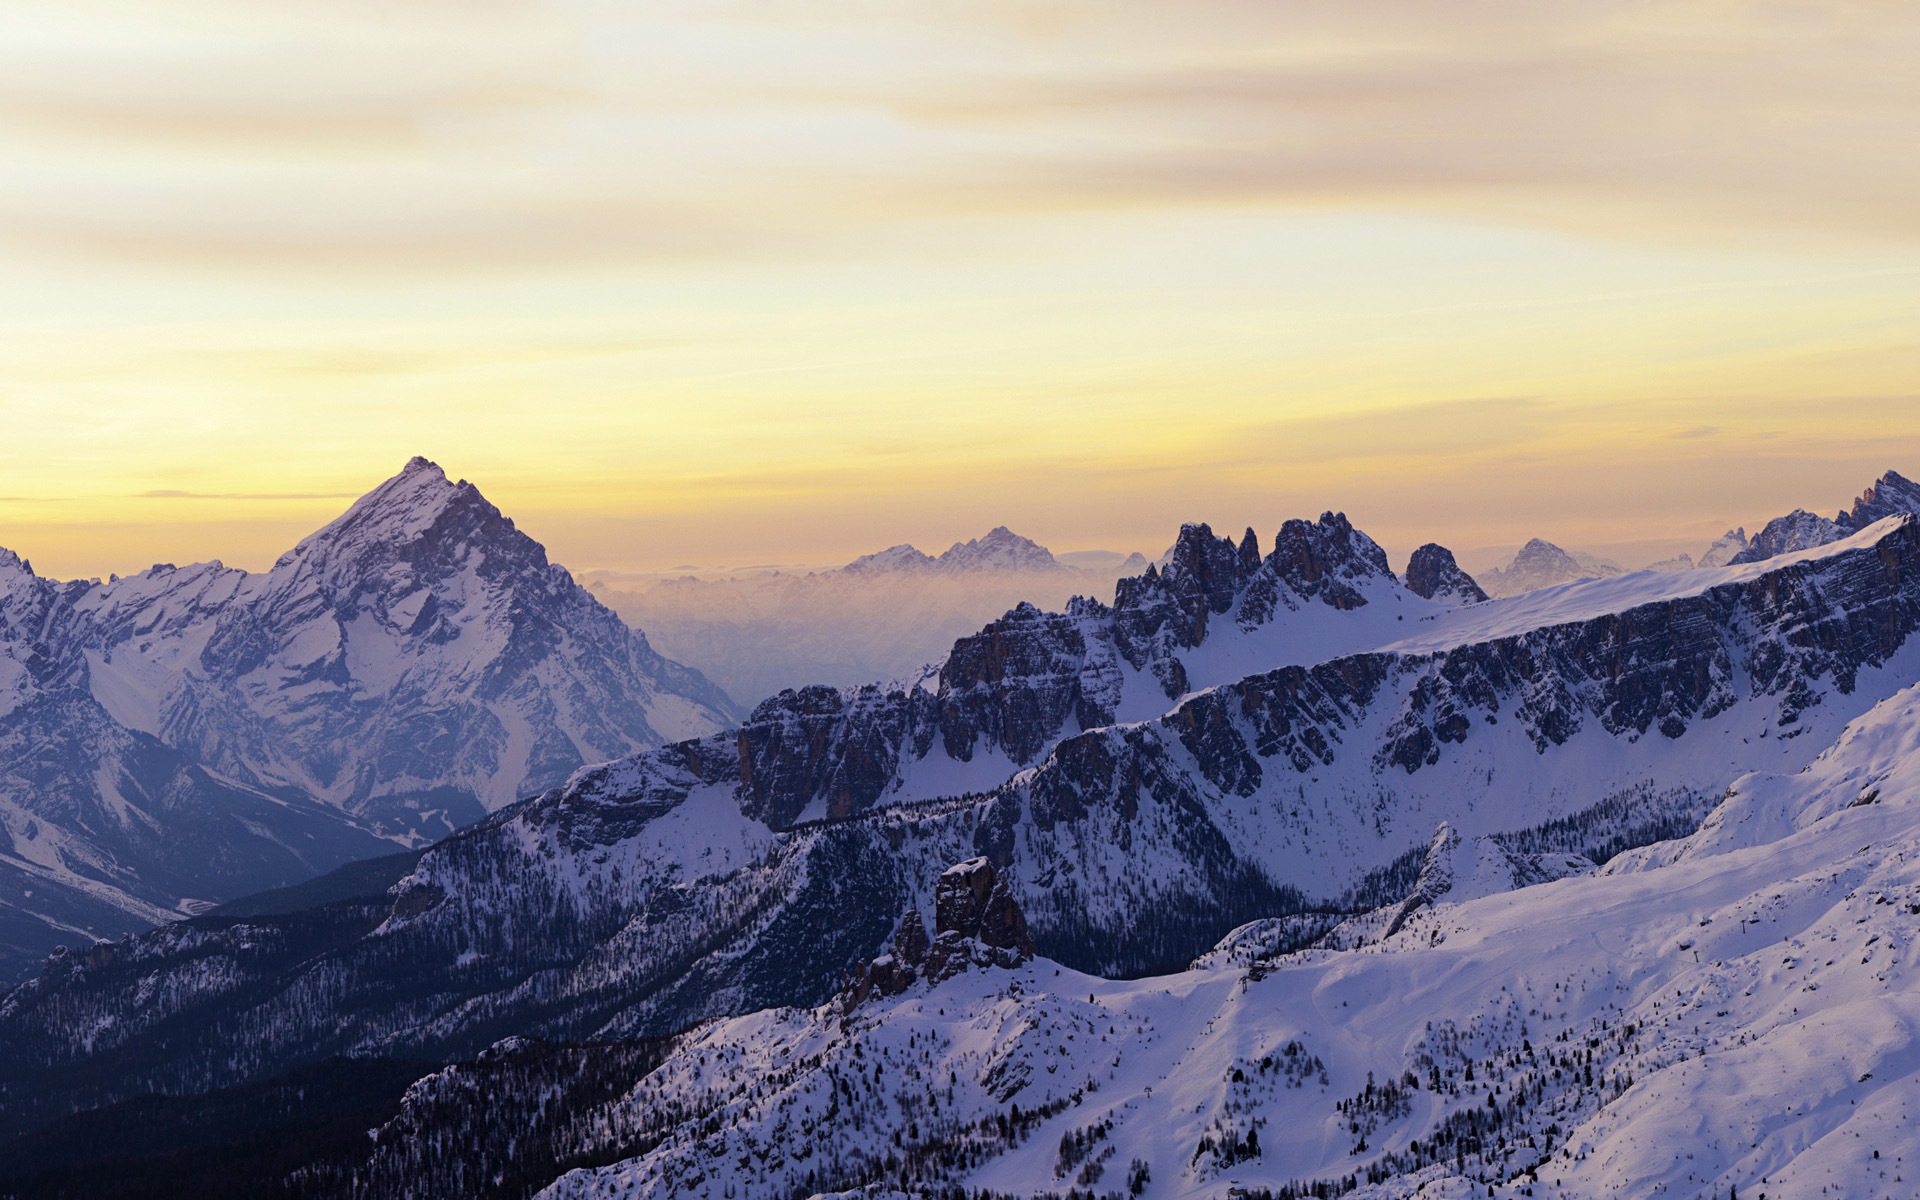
x,y
681,137
177,494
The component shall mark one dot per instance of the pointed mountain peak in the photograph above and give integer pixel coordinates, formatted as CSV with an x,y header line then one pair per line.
x,y
1728,544
1892,494
418,503
1000,550
904,557
1339,547
1540,564
1193,549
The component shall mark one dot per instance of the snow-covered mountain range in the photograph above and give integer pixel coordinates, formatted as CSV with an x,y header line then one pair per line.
x,y
1281,875
190,734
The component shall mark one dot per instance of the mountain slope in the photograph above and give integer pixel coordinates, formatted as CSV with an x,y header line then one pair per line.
x,y
663,889
1737,1011
191,734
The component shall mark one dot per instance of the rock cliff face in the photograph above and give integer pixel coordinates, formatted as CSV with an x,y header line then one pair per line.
x,y
1432,573
194,733
977,923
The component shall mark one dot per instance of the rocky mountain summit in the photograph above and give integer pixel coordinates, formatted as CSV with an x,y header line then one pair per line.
x,y
187,734
1891,495
1798,530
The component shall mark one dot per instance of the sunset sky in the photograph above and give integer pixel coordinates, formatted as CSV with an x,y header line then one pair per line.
x,y
726,283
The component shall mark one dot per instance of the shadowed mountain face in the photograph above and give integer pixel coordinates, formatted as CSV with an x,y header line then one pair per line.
x,y
190,734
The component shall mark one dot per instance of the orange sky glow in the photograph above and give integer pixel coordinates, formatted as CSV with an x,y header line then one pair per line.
x,y
736,283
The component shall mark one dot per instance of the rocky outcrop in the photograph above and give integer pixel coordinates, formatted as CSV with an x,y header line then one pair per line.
x,y
977,922
1168,610
896,970
1434,575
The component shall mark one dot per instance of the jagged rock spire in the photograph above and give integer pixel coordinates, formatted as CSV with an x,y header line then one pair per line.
x,y
1433,574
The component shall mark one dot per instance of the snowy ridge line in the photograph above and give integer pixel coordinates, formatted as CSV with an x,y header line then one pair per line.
x,y
916,723
1003,697
1561,673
